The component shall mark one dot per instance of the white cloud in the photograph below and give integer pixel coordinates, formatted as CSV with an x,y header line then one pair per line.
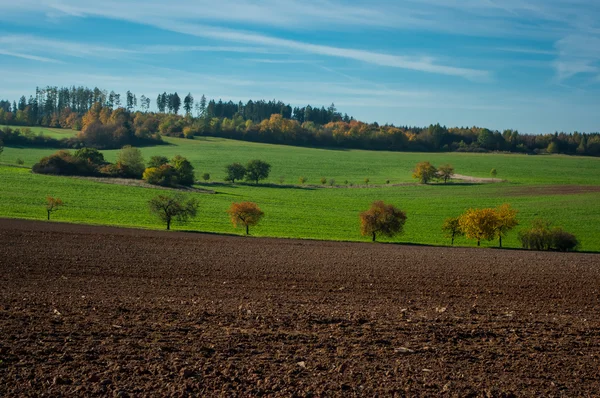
x,y
27,56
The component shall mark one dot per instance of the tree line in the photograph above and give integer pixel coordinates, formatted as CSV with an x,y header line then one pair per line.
x,y
269,122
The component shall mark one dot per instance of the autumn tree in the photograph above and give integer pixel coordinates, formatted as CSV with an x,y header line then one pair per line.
x,y
424,172
257,170
52,204
507,220
451,228
235,171
176,207
445,172
382,219
245,214
479,224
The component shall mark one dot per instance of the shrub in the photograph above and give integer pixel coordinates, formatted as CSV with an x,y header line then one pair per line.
x,y
184,170
494,173
131,162
541,236
302,180
387,182
157,161
63,163
323,180
20,161
164,175
332,182
206,177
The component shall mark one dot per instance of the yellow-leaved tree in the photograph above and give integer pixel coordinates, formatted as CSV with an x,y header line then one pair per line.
x,y
382,219
488,224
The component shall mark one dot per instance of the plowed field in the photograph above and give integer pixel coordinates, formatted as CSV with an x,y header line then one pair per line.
x,y
96,311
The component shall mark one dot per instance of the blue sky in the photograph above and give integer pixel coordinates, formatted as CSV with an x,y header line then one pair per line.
x,y
531,65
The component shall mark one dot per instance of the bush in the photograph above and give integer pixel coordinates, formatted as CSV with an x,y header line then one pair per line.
x,y
63,163
206,177
184,169
541,236
302,180
323,180
131,162
157,161
20,161
164,175
332,182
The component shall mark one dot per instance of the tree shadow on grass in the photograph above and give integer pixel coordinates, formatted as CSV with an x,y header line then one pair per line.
x,y
261,185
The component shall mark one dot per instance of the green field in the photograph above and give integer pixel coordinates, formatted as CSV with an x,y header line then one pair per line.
x,y
49,131
323,213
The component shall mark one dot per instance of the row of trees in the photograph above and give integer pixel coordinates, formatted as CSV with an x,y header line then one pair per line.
x,y
255,170
274,122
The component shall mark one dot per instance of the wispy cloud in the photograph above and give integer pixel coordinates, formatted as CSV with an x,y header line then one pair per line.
x,y
27,56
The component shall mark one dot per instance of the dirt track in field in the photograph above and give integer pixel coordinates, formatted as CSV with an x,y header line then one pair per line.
x,y
98,311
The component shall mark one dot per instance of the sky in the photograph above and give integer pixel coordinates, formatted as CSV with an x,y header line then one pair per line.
x,y
530,65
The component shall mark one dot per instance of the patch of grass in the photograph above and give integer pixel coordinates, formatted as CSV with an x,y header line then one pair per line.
x,y
49,131
321,213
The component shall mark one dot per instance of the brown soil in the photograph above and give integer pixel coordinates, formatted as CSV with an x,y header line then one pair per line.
x,y
97,311
551,190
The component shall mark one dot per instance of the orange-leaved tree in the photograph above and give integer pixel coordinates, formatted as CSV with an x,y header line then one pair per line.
x,y
245,214
52,204
382,219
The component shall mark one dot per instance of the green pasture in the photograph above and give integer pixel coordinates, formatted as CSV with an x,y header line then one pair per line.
x,y
320,212
49,131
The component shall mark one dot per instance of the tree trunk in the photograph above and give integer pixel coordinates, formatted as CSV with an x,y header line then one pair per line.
x,y
48,215
373,236
500,242
452,240
478,243
247,232
168,225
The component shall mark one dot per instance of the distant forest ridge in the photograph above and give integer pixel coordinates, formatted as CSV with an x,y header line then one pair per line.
x,y
108,120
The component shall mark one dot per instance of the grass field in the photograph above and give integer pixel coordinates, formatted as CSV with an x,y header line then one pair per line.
x,y
533,187
49,131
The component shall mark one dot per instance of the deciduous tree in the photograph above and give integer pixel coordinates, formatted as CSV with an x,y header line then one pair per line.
x,y
383,219
507,220
157,161
424,172
452,228
445,172
184,170
235,171
479,224
245,214
52,204
177,207
131,160
257,170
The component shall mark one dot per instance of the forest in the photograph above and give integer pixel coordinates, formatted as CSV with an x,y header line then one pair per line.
x,y
105,120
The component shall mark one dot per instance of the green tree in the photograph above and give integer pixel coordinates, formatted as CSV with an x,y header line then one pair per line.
x,y
206,177
90,155
131,160
445,172
234,171
424,172
382,219
157,161
176,207
174,103
494,173
451,228
257,170
302,180
184,170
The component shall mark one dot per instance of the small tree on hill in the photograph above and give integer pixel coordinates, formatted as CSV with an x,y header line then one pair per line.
x,y
494,173
176,207
323,180
245,214
257,170
382,219
302,180
52,204
452,228
445,172
235,171
424,172
206,177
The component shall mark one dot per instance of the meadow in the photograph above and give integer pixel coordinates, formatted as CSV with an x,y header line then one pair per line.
x,y
534,185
